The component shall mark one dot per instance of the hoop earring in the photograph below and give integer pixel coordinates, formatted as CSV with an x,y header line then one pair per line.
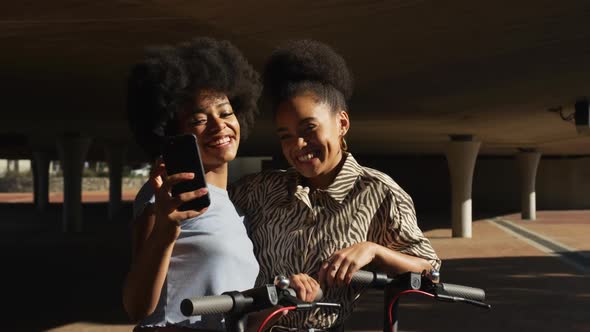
x,y
343,144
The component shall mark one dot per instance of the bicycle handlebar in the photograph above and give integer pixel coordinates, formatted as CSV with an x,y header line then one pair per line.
x,y
220,304
237,301
441,290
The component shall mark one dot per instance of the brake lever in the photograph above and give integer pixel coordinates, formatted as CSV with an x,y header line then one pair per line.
x,y
447,298
288,300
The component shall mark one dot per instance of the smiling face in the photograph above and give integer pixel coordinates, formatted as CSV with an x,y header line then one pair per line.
x,y
310,133
212,119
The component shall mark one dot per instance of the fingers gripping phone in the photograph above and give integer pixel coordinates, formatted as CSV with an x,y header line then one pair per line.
x,y
181,155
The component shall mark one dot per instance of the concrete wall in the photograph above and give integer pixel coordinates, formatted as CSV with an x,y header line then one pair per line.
x,y
426,179
243,166
496,185
562,183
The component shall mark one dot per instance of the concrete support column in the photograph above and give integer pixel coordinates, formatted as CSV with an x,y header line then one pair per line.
x,y
72,150
528,162
461,156
115,154
40,163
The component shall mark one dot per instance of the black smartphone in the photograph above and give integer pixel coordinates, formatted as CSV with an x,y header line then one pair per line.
x,y
181,155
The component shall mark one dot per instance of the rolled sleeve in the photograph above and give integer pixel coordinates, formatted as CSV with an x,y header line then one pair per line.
x,y
406,237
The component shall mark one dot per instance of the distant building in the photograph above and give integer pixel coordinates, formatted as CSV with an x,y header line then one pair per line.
x,y
14,166
23,166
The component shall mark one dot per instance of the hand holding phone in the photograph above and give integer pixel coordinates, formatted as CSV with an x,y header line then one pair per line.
x,y
181,155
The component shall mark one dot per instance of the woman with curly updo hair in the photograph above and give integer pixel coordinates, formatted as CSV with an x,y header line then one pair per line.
x,y
327,216
204,87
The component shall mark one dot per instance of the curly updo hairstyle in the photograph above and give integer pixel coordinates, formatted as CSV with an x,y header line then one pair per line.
x,y
302,66
169,77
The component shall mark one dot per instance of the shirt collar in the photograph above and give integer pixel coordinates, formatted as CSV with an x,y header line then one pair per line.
x,y
345,179
338,190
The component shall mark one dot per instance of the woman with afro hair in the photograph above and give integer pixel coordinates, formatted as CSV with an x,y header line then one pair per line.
x,y
203,87
326,217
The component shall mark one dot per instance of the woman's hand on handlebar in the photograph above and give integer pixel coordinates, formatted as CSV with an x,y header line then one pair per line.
x,y
305,286
338,269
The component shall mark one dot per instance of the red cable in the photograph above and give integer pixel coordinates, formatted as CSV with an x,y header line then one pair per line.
x,y
395,300
276,312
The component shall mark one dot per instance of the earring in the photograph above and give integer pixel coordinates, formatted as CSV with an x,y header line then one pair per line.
x,y
343,144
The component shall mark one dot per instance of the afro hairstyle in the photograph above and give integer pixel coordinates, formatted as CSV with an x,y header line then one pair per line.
x,y
301,66
171,76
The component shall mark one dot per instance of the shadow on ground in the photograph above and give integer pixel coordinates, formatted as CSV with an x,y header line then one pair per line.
x,y
435,219
58,278
526,294
52,279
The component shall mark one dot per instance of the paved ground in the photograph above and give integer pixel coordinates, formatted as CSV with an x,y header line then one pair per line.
x,y
71,282
530,289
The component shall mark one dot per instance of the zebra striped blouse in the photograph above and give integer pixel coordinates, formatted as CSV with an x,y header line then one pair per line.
x,y
295,230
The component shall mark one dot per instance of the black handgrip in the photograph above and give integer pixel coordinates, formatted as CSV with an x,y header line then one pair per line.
x,y
219,304
363,278
207,305
368,278
465,292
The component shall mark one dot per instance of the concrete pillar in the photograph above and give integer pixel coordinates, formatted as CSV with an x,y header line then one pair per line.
x,y
528,162
43,150
461,156
72,150
40,164
115,154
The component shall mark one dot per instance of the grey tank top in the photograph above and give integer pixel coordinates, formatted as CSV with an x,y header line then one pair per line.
x,y
212,255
